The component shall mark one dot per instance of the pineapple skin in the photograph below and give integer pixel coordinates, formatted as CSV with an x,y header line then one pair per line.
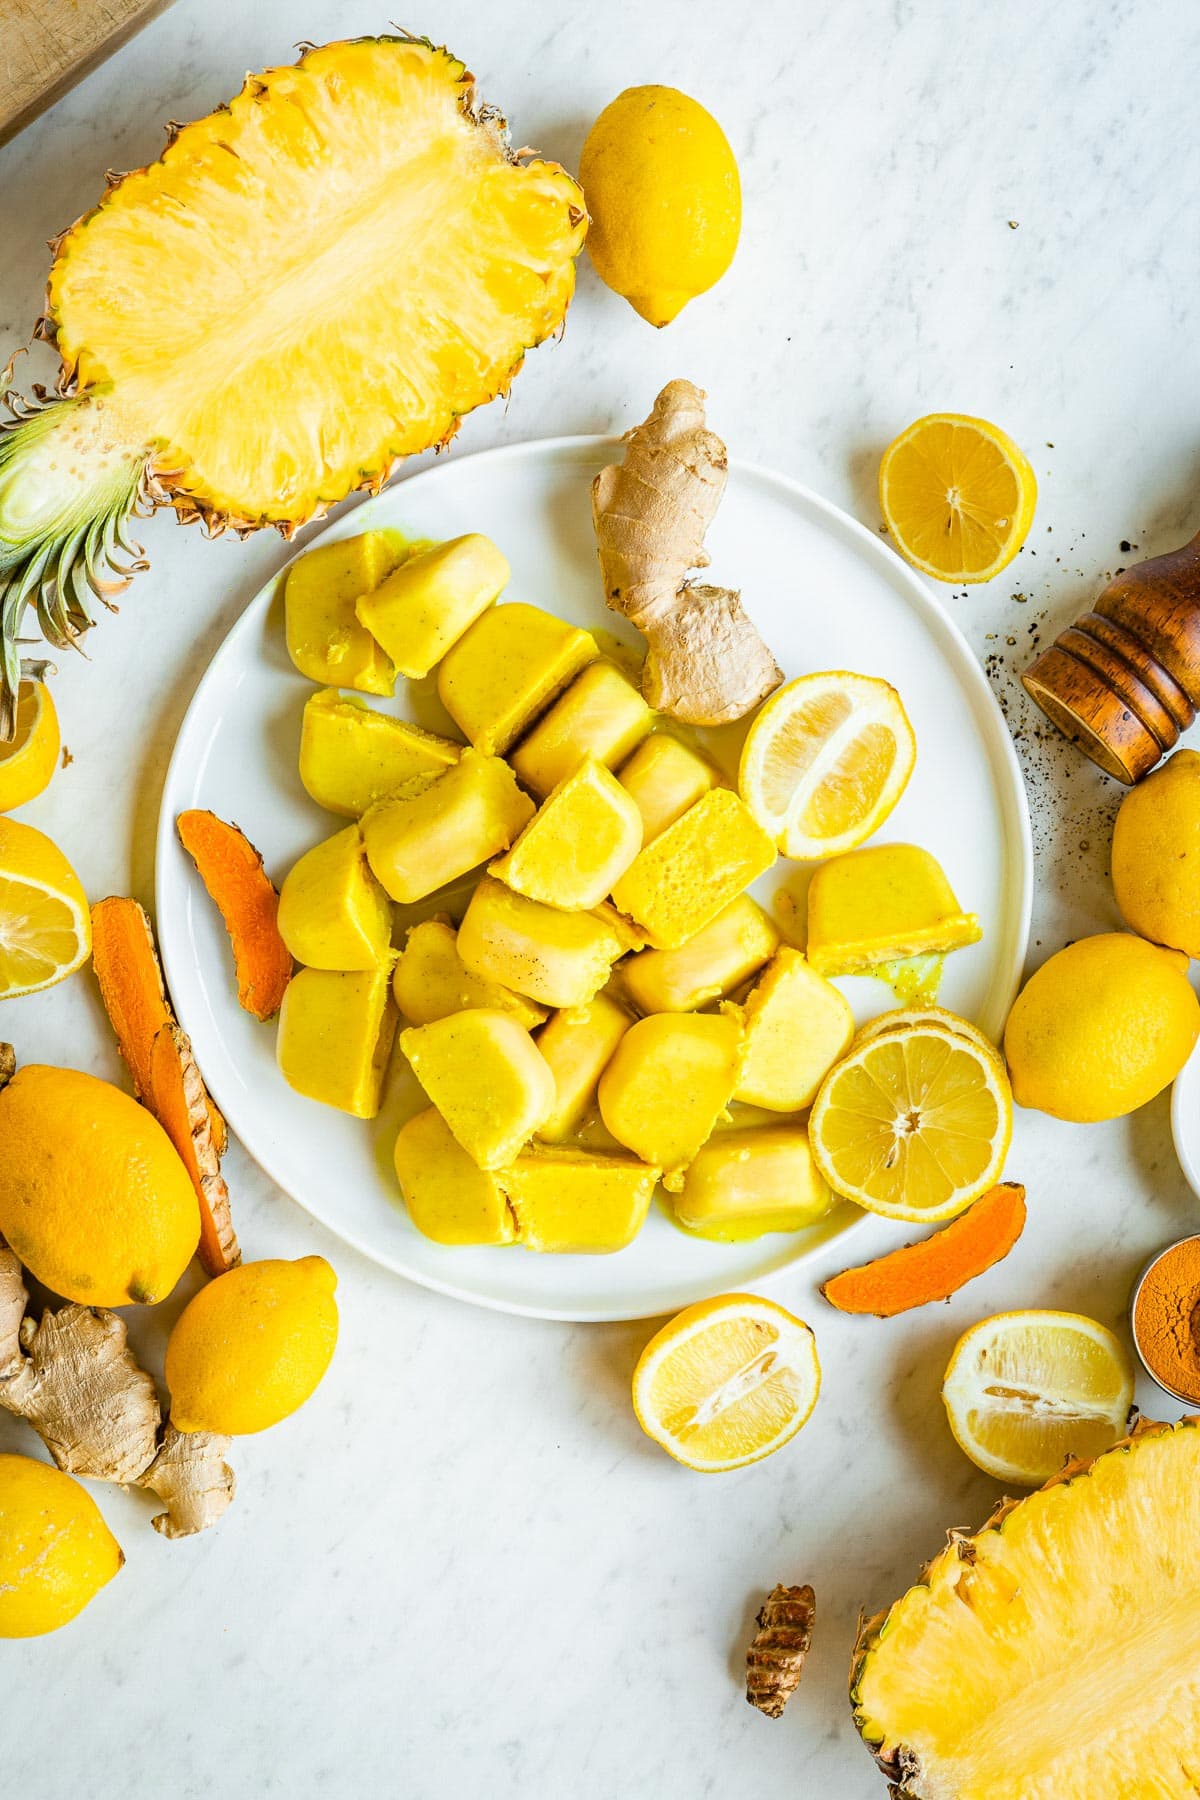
x,y
900,1763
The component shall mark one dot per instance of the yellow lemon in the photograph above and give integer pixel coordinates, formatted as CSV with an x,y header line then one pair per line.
x,y
663,192
56,1552
726,1382
252,1346
30,758
1025,1391
1156,855
93,1196
1101,1028
958,496
45,926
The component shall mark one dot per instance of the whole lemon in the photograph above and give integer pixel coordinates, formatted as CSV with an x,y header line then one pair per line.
x,y
56,1552
662,189
29,759
1101,1028
1156,854
252,1346
93,1197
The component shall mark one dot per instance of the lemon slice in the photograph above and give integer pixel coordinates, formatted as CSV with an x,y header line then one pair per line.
x,y
1025,1391
901,1017
727,1382
825,761
30,758
958,496
914,1124
45,926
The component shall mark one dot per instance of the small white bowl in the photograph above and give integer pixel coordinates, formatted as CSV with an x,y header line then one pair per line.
x,y
1185,1119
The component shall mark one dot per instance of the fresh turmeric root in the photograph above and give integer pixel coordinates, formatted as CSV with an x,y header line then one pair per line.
x,y
937,1266
159,1056
775,1660
705,662
232,871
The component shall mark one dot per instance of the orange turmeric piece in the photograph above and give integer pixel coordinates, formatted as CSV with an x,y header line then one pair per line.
x,y
178,1103
232,871
937,1266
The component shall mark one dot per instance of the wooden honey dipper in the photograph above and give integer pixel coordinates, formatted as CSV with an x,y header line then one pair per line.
x,y
1124,680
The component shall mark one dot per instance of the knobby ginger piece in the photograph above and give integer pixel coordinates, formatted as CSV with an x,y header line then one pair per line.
x,y
74,1378
775,1659
177,1100
706,662
232,871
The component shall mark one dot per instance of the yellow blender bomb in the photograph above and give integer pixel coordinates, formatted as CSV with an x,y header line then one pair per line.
x,y
601,715
795,1026
333,914
431,980
335,1036
351,756
556,958
744,1183
693,869
487,1078
509,666
585,1202
670,1080
450,1199
664,778
422,609
880,905
324,638
435,828
579,843
578,1043
713,963
56,1552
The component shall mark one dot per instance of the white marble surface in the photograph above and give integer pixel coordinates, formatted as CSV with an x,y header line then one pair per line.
x,y
462,1571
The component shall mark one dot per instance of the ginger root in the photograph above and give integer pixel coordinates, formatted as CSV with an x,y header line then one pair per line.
x,y
705,662
74,1378
775,1659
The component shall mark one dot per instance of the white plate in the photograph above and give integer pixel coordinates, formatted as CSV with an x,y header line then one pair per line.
x,y
1185,1117
826,594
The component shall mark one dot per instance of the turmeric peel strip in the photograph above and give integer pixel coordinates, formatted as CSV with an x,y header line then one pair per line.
x,y
178,1102
131,983
937,1266
232,871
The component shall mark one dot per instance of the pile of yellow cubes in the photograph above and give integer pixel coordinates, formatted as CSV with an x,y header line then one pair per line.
x,y
583,1032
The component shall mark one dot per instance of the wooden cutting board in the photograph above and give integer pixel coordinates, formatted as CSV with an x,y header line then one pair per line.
x,y
46,46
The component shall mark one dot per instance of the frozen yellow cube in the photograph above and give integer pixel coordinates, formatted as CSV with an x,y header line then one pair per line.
x,y
435,828
431,980
557,958
351,756
669,1082
507,669
601,715
694,869
324,638
664,778
449,1198
880,905
422,608
487,1078
582,838
577,1201
747,1182
335,1036
795,1026
718,959
333,914
578,1043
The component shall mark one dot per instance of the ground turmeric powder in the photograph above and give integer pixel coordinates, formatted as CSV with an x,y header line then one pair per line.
x,y
1166,1319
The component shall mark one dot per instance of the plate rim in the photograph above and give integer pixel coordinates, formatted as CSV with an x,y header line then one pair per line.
x,y
922,598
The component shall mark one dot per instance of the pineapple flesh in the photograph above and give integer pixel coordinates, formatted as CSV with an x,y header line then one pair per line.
x,y
1054,1655
310,284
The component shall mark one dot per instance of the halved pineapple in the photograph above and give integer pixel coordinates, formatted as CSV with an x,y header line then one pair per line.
x,y
315,281
1054,1654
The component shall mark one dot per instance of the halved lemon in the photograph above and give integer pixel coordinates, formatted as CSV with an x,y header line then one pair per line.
x,y
727,1382
958,496
45,926
914,1123
901,1017
1025,1391
30,758
825,761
